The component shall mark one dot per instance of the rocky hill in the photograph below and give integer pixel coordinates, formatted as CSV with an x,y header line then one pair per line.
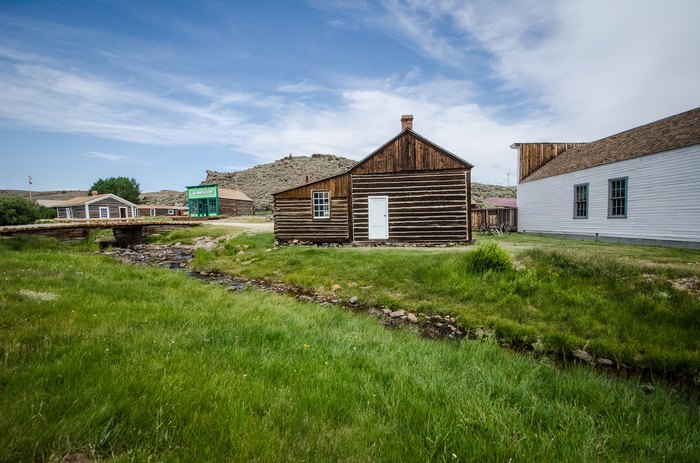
x,y
481,191
261,181
164,198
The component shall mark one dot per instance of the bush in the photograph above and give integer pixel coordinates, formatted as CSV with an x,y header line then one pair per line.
x,y
15,210
488,257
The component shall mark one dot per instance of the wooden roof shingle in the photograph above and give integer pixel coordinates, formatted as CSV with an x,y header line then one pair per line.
x,y
666,134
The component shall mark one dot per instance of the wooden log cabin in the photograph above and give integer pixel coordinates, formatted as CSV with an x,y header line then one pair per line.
x,y
409,190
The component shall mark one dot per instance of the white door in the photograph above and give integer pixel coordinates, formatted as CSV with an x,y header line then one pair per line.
x,y
378,211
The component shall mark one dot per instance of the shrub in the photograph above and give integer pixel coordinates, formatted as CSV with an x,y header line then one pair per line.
x,y
15,210
488,257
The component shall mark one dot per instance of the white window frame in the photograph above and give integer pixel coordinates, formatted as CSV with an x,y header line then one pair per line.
x,y
153,212
69,213
321,202
171,211
105,209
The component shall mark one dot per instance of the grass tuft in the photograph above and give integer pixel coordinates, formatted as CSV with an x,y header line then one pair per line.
x,y
489,257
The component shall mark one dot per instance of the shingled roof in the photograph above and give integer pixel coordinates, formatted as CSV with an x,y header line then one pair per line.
x,y
670,133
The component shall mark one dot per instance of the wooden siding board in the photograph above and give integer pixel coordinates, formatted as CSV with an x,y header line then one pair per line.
x,y
401,155
298,223
111,203
235,207
663,199
416,208
338,187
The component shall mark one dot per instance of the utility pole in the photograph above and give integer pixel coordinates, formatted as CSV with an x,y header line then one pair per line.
x,y
29,177
508,174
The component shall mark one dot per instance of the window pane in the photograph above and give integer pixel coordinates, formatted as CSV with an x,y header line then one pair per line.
x,y
321,204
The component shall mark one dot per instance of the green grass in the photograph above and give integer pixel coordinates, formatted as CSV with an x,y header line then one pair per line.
x,y
605,298
130,363
188,235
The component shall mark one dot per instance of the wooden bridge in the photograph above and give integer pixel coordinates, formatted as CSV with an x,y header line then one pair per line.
x,y
126,232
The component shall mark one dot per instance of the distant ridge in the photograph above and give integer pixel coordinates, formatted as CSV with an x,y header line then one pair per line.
x,y
259,182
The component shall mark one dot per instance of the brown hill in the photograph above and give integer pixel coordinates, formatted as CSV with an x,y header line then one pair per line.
x,y
54,195
164,198
259,182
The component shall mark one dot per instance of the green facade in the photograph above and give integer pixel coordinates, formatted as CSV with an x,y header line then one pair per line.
x,y
203,200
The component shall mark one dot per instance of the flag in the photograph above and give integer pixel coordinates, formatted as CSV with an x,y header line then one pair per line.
x,y
30,179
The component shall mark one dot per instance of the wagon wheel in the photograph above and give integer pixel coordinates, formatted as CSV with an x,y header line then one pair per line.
x,y
484,228
505,228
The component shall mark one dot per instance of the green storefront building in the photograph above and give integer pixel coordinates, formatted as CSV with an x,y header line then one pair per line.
x,y
203,200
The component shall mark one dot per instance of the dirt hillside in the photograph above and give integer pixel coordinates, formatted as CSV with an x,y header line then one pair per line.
x,y
261,181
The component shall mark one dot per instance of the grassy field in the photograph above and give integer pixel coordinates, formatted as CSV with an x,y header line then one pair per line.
x,y
124,363
614,301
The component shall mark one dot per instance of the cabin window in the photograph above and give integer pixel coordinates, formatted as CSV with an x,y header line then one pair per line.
x,y
322,204
104,212
153,212
171,212
617,197
581,201
69,213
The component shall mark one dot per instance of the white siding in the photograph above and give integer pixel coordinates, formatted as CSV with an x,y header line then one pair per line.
x,y
663,192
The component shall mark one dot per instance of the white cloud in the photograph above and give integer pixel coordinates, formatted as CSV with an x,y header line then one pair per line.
x,y
596,67
106,156
117,158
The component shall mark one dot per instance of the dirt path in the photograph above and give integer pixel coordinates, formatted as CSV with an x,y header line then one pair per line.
x,y
249,226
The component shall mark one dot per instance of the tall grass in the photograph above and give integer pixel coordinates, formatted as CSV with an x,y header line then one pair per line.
x,y
559,300
130,363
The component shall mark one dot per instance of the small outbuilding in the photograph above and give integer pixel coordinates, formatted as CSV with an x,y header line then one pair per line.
x,y
153,210
96,206
409,190
211,201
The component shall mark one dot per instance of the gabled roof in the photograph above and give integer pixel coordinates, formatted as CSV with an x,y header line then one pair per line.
x,y
421,138
233,193
83,200
50,202
381,150
666,134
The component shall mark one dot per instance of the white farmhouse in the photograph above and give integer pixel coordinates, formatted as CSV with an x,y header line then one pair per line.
x,y
641,185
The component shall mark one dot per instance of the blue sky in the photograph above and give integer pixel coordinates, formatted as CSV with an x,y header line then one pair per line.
x,y
163,91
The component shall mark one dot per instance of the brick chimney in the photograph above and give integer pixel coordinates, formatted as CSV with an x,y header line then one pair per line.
x,y
407,122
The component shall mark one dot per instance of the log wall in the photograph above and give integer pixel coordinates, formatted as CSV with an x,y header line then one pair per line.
x,y
423,206
294,220
532,156
407,153
235,207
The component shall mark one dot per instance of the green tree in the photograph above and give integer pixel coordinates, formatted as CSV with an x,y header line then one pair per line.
x,y
15,210
126,188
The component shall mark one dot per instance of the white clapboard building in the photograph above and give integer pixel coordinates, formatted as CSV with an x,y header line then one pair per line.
x,y
641,185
